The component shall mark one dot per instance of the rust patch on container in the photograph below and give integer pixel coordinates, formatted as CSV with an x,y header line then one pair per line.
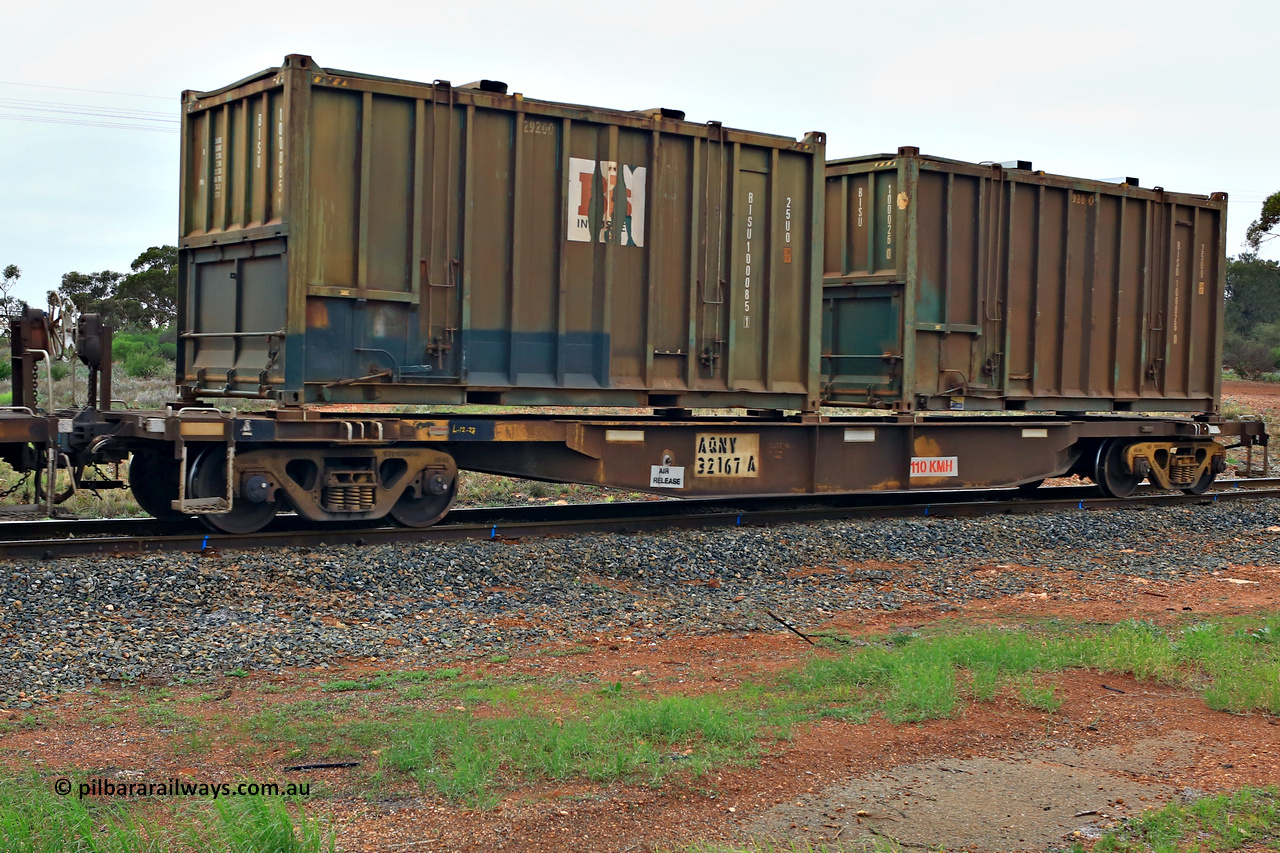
x,y
317,314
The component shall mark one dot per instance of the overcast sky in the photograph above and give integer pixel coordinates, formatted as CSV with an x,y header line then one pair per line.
x,y
1179,94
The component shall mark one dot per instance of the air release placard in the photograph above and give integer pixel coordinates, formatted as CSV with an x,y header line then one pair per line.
x,y
666,477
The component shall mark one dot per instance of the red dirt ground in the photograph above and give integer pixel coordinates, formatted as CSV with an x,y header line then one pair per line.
x,y
807,788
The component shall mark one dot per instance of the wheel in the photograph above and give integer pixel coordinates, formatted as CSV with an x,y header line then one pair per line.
x,y
1199,487
153,478
207,478
428,509
1109,473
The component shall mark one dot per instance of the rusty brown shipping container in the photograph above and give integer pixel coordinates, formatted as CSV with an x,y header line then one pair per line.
x,y
352,238
952,285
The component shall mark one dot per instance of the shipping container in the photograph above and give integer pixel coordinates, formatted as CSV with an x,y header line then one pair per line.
x,y
952,285
352,238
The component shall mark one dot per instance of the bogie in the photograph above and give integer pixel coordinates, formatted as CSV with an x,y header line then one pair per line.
x,y
339,484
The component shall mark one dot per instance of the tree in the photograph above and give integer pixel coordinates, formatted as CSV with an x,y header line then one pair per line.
x,y
148,296
92,293
1264,228
10,304
1251,345
1253,294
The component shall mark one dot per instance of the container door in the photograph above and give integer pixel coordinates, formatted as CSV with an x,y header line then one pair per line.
x,y
862,344
864,289
235,314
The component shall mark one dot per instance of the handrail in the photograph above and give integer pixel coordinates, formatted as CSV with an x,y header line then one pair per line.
x,y
279,333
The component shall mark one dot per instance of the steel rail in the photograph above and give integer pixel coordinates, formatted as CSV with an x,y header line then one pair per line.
x,y
47,539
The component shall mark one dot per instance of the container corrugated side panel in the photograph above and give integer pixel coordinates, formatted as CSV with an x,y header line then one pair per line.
x,y
1019,290
554,253
232,275
953,214
1105,304
419,243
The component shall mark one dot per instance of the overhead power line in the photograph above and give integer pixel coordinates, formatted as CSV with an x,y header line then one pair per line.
x,y
25,103
94,91
88,110
86,123
87,115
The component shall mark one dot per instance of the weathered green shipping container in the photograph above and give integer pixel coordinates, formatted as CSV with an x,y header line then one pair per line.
x,y
952,285
351,238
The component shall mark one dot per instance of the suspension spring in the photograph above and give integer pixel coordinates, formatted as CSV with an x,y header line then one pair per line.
x,y
1182,470
349,498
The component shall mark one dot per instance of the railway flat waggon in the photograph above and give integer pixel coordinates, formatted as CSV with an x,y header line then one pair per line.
x,y
357,240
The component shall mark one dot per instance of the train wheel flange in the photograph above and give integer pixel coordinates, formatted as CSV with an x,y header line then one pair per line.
x,y
1200,486
153,479
1217,465
1109,471
207,478
437,496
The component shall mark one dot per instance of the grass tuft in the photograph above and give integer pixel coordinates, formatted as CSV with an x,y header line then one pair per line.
x,y
255,824
33,819
391,679
1248,817
568,652
462,757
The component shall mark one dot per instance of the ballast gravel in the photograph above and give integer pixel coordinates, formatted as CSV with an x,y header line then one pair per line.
x,y
78,621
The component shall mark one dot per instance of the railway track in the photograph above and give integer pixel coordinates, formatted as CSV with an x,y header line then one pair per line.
x,y
53,538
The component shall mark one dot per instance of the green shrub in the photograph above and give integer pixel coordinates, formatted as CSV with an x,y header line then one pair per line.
x,y
144,354
124,343
1249,359
145,365
6,368
59,370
